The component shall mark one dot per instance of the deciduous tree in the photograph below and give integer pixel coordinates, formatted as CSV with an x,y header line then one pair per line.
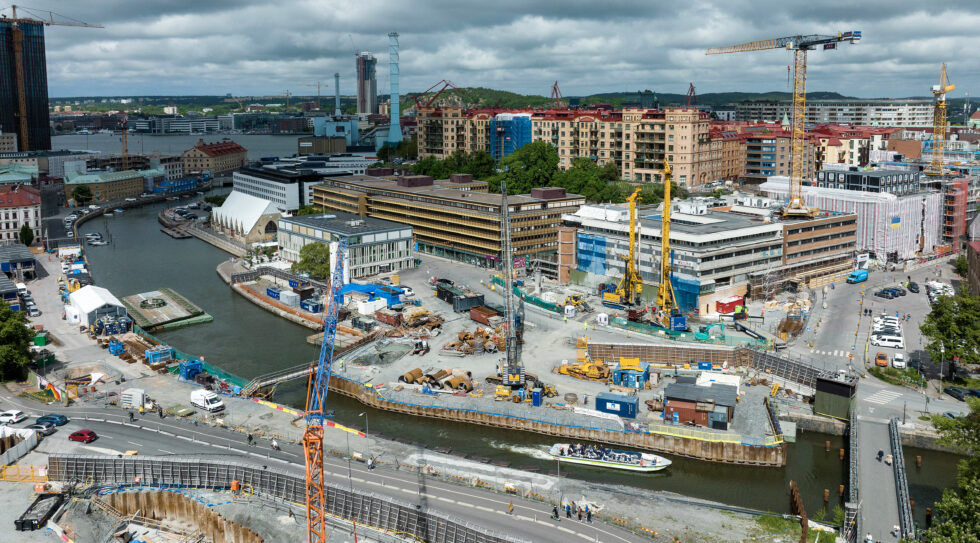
x,y
15,344
314,260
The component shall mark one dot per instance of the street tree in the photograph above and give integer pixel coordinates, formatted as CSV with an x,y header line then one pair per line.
x,y
82,194
533,165
314,260
15,344
26,234
957,515
951,328
961,266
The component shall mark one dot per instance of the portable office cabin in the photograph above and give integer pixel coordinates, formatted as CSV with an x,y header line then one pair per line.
x,y
617,404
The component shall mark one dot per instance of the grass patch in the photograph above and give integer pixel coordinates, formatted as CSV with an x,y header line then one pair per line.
x,y
906,376
966,383
925,418
773,524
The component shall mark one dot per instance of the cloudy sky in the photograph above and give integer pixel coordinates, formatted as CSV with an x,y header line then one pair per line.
x,y
248,47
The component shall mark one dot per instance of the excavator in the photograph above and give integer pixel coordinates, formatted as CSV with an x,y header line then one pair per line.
x,y
704,334
627,293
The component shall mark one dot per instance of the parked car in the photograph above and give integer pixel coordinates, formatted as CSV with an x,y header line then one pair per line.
x,y
58,420
884,294
33,312
951,415
914,288
43,428
881,360
12,416
894,291
959,393
898,361
83,436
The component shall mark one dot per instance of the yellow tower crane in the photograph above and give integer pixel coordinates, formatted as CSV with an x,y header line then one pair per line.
x,y
936,166
799,45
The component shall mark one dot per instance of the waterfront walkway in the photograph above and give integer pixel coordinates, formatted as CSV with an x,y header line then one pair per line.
x,y
878,493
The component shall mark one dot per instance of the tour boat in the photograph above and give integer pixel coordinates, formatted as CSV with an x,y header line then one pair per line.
x,y
594,455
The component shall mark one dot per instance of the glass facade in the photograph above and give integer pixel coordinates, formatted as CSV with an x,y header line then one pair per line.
x,y
35,85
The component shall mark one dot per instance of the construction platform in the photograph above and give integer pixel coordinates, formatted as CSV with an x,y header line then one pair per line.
x,y
163,309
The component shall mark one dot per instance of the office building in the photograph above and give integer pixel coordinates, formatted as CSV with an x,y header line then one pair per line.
x,y
454,218
19,205
337,127
320,145
367,84
898,112
287,188
36,123
767,153
218,158
171,165
892,181
373,245
106,186
333,165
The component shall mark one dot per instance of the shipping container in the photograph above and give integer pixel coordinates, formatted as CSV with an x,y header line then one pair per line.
x,y
728,304
388,317
289,298
273,292
304,292
617,404
312,306
482,314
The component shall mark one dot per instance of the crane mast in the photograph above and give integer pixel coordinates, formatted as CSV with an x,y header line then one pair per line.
x,y
666,303
937,164
316,397
799,45
513,374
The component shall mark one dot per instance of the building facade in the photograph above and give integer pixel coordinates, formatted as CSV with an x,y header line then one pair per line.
x,y
288,189
454,218
320,145
901,112
367,84
217,158
171,165
973,270
106,186
35,75
8,142
19,206
373,245
508,133
767,153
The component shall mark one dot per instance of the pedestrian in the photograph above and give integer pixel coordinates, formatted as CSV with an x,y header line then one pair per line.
x,y
588,515
131,417
554,513
585,326
568,511
565,318
580,514
141,410
250,439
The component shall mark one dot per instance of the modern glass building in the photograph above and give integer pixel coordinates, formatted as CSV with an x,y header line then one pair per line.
x,y
35,85
367,84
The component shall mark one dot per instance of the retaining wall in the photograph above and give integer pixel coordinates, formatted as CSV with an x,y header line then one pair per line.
x,y
714,451
176,509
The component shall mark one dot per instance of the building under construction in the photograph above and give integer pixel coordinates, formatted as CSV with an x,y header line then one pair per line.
x,y
35,85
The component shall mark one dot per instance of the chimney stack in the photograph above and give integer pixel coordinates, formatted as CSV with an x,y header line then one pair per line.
x,y
394,127
336,97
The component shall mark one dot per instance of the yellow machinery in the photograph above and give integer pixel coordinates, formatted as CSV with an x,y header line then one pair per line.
x,y
587,369
799,45
627,293
936,166
666,304
575,300
630,364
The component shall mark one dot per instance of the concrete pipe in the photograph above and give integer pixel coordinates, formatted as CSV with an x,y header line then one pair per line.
x,y
411,376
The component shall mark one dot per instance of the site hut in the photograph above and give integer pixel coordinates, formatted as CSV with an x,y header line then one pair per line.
x,y
90,303
106,186
246,218
373,245
8,293
709,406
715,249
455,218
17,261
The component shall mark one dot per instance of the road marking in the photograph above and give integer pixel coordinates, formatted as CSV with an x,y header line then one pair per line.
x,y
135,443
166,452
482,508
883,396
564,529
440,498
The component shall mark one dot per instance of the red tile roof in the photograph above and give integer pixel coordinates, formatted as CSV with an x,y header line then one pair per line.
x,y
19,196
975,114
219,148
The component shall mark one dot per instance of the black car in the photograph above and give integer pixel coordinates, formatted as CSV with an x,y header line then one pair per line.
x,y
959,393
914,288
884,294
899,290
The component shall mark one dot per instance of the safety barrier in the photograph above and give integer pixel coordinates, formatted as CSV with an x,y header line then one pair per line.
x,y
24,474
379,512
529,298
905,520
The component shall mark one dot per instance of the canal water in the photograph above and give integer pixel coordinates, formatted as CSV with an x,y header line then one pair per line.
x,y
249,341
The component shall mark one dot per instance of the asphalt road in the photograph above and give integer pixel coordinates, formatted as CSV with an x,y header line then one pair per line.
x,y
151,435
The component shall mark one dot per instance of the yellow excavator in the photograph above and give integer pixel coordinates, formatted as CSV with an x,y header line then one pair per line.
x,y
627,292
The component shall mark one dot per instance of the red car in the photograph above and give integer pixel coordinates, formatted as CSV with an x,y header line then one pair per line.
x,y
85,436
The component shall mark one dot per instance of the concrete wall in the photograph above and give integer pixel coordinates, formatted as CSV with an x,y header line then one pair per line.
x,y
15,443
174,509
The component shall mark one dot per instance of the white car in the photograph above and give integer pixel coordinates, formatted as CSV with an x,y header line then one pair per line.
x,y
12,417
130,199
898,361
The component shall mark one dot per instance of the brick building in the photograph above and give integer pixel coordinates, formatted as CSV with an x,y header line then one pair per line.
x,y
218,158
19,205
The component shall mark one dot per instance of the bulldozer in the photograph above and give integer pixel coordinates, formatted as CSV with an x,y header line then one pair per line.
x,y
578,302
587,369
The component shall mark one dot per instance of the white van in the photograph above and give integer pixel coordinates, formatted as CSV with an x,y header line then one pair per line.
x,y
22,289
888,341
207,400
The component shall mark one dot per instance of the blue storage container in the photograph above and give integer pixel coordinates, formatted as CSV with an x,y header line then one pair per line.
x,y
116,347
617,404
311,306
536,397
704,365
161,353
272,292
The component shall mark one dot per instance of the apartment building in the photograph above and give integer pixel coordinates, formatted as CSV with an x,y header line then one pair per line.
x,y
217,158
8,142
106,186
454,218
901,112
638,140
19,205
768,153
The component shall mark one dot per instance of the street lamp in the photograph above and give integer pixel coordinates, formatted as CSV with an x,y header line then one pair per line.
x,y
367,436
942,362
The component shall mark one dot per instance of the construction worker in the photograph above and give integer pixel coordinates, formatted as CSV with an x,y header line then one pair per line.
x,y
565,318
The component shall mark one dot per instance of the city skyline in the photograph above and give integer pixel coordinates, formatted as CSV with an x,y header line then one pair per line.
x,y
185,48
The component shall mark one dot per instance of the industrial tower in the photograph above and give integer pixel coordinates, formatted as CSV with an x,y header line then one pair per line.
x,y
336,96
394,128
799,45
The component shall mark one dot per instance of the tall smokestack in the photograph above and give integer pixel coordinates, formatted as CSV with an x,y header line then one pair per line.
x,y
336,96
394,129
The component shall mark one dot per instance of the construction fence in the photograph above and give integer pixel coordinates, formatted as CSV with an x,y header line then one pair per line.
x,y
529,298
378,512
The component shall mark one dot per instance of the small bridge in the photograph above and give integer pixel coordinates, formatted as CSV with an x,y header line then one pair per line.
x,y
278,377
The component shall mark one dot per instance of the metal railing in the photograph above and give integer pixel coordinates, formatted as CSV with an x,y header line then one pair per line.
x,y
852,509
905,519
254,273
378,512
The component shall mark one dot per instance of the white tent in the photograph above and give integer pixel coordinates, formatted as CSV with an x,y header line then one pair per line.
x,y
240,212
93,302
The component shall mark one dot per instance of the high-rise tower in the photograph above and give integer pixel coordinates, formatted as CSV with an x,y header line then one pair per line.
x,y
367,84
394,128
35,74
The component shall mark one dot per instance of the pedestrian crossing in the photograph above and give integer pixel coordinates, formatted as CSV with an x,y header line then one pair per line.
x,y
883,396
837,354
